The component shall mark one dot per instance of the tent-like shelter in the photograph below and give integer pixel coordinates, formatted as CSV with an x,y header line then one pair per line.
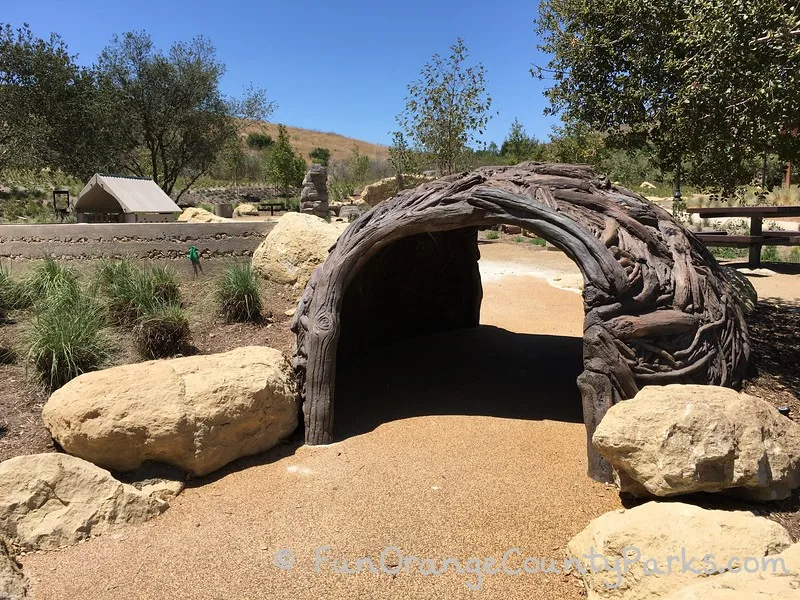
x,y
120,199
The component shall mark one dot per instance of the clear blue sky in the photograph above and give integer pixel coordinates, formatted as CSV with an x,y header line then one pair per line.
x,y
338,66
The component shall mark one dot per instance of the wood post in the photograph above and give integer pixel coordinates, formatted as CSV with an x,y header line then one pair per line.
x,y
756,229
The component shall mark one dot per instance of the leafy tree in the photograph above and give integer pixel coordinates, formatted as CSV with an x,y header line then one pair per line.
x,y
50,111
178,119
708,83
402,158
320,155
518,147
235,164
359,165
346,176
285,168
446,106
259,141
576,143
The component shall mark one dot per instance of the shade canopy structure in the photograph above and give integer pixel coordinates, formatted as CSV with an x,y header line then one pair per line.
x,y
110,194
658,307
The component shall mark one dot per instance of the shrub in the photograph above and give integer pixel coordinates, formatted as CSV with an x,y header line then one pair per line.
x,y
769,254
111,272
66,336
292,204
729,253
238,293
320,155
519,239
162,332
491,235
784,196
149,299
259,141
165,285
794,255
538,242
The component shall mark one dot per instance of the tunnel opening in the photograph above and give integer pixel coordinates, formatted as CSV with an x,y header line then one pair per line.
x,y
414,342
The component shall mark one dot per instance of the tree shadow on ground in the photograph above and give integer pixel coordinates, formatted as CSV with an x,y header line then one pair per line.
x,y
773,375
483,371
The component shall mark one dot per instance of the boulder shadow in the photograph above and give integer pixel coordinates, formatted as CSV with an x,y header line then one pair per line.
x,y
283,449
485,371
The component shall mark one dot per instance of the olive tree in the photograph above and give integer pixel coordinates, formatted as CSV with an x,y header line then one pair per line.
x,y
51,114
178,121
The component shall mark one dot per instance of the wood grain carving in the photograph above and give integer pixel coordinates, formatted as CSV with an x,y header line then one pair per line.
x,y
658,307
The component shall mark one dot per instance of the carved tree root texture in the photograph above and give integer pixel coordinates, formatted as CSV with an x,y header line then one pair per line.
x,y
659,309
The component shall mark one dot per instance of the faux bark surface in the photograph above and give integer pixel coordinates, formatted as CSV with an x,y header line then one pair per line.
x,y
658,307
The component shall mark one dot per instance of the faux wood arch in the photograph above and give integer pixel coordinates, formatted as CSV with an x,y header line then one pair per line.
x,y
658,307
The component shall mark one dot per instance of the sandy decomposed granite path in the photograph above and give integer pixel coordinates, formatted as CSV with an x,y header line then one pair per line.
x,y
433,483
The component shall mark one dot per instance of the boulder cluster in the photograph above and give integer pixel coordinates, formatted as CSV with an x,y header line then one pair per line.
x,y
195,413
672,441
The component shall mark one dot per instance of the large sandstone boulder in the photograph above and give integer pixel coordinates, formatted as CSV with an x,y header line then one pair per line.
x,y
296,246
679,439
52,500
386,188
652,550
246,209
197,413
194,214
13,584
781,582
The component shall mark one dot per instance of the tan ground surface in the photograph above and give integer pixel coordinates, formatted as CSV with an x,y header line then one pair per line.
x,y
785,286
438,470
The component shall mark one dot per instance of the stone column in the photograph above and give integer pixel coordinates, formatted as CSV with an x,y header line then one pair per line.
x,y
314,195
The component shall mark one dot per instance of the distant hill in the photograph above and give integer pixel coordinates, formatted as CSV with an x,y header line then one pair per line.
x,y
305,140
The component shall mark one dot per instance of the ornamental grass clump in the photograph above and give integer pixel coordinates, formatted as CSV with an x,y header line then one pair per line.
x,y
162,331
14,295
132,291
147,299
65,337
49,276
238,293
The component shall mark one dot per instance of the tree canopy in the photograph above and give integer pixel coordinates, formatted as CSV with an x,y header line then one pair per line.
x,y
711,83
50,114
285,168
446,107
518,146
177,119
